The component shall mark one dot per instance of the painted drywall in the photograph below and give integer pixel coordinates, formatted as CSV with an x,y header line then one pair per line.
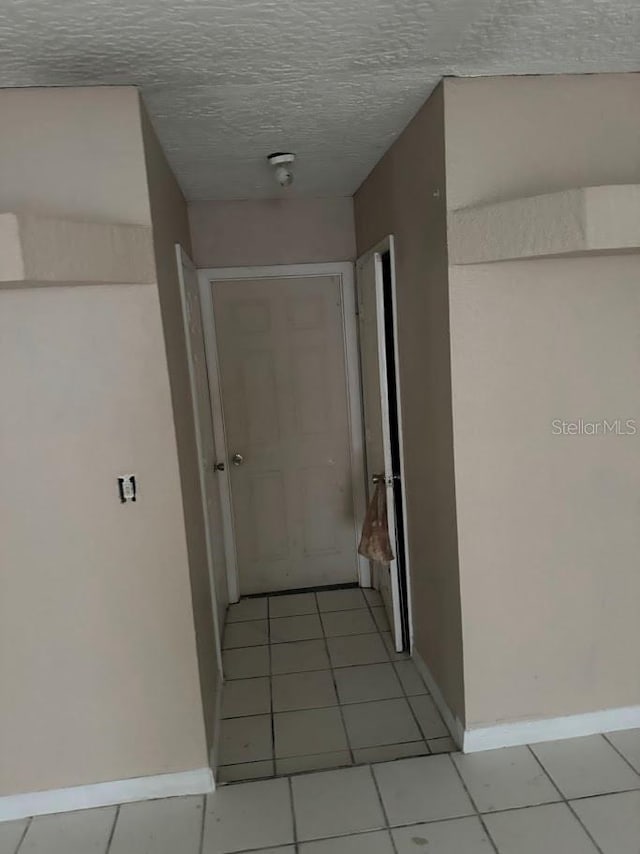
x,y
98,661
405,196
509,137
97,656
73,152
548,528
170,226
272,231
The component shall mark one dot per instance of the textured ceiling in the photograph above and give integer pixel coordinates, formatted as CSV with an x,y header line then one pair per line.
x,y
229,81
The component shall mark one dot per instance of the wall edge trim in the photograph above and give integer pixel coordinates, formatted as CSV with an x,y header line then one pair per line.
x,y
453,723
198,781
550,729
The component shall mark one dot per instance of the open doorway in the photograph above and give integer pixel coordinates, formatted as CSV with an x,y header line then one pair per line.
x,y
317,671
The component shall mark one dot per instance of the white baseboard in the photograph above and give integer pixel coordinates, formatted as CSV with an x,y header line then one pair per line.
x,y
454,725
217,726
550,729
196,782
518,733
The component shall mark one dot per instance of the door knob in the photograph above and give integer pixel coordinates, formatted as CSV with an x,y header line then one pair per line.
x,y
237,459
218,467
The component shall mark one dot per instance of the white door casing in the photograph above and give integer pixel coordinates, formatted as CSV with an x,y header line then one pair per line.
x,y
377,415
199,383
285,346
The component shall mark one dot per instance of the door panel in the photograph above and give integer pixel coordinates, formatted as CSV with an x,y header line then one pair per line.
x,y
377,427
204,427
284,393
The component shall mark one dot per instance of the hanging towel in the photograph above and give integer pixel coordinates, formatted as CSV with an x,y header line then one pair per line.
x,y
375,543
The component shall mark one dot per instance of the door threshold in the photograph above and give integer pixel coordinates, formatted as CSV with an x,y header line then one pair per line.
x,y
318,589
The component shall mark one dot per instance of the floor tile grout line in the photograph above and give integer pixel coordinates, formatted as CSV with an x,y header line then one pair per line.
x,y
273,720
474,805
24,833
563,799
411,709
385,815
317,637
621,755
112,832
202,824
335,688
294,821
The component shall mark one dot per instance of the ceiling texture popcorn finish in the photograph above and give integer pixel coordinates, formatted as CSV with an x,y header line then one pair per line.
x,y
228,81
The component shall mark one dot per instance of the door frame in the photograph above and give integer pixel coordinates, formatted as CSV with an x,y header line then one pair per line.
x,y
388,244
183,259
345,270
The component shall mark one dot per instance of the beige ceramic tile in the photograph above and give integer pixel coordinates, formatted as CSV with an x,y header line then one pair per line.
x,y
248,816
311,690
586,766
378,842
336,803
293,605
245,771
357,649
341,600
381,619
372,596
387,752
410,678
505,779
367,682
550,829
459,836
252,633
247,609
627,743
289,629
11,832
242,697
245,740
299,657
159,827
428,716
424,789
613,821
84,832
316,762
307,732
442,745
246,663
381,722
340,623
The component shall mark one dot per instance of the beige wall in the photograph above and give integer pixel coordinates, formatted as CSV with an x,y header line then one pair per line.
x,y
54,161
170,226
98,662
519,136
405,196
272,231
548,528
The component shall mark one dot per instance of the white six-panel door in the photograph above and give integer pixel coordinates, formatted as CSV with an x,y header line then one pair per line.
x,y
283,382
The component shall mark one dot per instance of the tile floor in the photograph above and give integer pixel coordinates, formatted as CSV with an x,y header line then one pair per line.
x,y
313,683
566,797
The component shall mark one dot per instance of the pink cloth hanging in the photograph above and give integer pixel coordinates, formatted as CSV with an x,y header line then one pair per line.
x,y
375,543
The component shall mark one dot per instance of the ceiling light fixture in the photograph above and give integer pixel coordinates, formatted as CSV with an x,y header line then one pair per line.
x,y
282,162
